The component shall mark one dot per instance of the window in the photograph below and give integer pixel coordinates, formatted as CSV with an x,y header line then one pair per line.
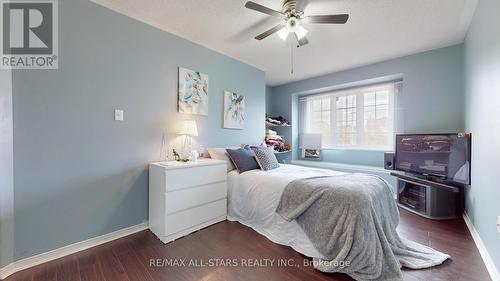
x,y
354,118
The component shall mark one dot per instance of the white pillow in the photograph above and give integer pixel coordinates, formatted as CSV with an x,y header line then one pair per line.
x,y
252,145
221,154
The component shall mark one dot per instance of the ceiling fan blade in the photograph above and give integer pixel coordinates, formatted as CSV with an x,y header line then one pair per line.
x,y
303,41
259,8
270,31
336,19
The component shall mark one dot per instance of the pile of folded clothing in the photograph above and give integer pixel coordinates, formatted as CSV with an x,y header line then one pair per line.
x,y
280,121
273,135
275,141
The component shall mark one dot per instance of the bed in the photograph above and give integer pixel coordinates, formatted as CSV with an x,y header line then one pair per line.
x,y
255,195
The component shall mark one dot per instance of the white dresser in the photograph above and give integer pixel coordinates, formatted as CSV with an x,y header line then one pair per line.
x,y
185,197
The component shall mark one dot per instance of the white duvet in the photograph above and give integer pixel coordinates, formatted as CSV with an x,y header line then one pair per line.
x,y
254,196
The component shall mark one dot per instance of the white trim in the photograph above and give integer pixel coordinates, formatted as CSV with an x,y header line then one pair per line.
x,y
488,261
69,249
341,166
359,93
6,169
358,148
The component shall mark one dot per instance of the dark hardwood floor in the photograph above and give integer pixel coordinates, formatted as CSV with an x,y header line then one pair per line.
x,y
129,258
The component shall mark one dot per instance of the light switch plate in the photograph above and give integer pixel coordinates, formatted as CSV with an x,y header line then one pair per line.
x,y
118,115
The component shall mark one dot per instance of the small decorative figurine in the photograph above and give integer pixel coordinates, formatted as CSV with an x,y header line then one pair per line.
x,y
177,157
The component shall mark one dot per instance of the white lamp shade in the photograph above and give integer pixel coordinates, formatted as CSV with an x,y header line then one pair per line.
x,y
310,141
300,32
188,127
283,33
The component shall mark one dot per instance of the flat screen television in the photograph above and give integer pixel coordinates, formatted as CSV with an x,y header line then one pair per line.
x,y
440,157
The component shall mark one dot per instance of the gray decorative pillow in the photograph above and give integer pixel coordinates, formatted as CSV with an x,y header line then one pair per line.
x,y
265,157
243,159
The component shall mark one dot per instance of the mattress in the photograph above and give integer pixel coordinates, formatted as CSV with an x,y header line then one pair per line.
x,y
254,195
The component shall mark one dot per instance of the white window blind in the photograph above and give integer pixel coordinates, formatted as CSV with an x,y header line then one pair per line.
x,y
358,118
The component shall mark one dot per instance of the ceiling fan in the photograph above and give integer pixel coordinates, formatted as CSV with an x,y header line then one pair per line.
x,y
292,16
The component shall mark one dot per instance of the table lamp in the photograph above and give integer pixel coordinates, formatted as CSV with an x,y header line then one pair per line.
x,y
188,129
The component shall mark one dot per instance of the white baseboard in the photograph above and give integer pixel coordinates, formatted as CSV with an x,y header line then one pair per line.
x,y
68,250
488,261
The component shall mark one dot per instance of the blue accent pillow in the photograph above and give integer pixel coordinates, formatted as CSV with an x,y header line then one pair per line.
x,y
243,159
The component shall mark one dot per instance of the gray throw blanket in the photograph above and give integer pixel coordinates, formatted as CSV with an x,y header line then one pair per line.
x,y
351,220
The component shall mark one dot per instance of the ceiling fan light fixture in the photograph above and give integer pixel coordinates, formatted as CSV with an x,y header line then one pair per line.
x,y
292,17
300,31
291,24
283,33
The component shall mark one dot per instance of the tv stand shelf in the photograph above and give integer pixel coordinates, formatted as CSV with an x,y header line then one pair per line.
x,y
428,198
425,182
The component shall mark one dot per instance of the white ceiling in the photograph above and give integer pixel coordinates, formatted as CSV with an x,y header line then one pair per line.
x,y
377,30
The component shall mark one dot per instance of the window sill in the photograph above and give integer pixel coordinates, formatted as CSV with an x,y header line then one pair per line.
x,y
351,168
357,149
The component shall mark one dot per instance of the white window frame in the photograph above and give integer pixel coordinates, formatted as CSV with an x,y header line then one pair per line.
x,y
360,107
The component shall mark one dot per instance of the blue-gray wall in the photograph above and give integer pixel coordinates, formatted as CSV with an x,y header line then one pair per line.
x,y
79,174
6,170
269,91
432,98
482,87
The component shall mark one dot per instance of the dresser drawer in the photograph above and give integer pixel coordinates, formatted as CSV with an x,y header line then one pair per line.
x,y
186,198
189,218
195,176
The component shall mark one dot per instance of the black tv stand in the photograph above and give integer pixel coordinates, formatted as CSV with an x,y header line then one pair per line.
x,y
428,198
428,177
432,181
